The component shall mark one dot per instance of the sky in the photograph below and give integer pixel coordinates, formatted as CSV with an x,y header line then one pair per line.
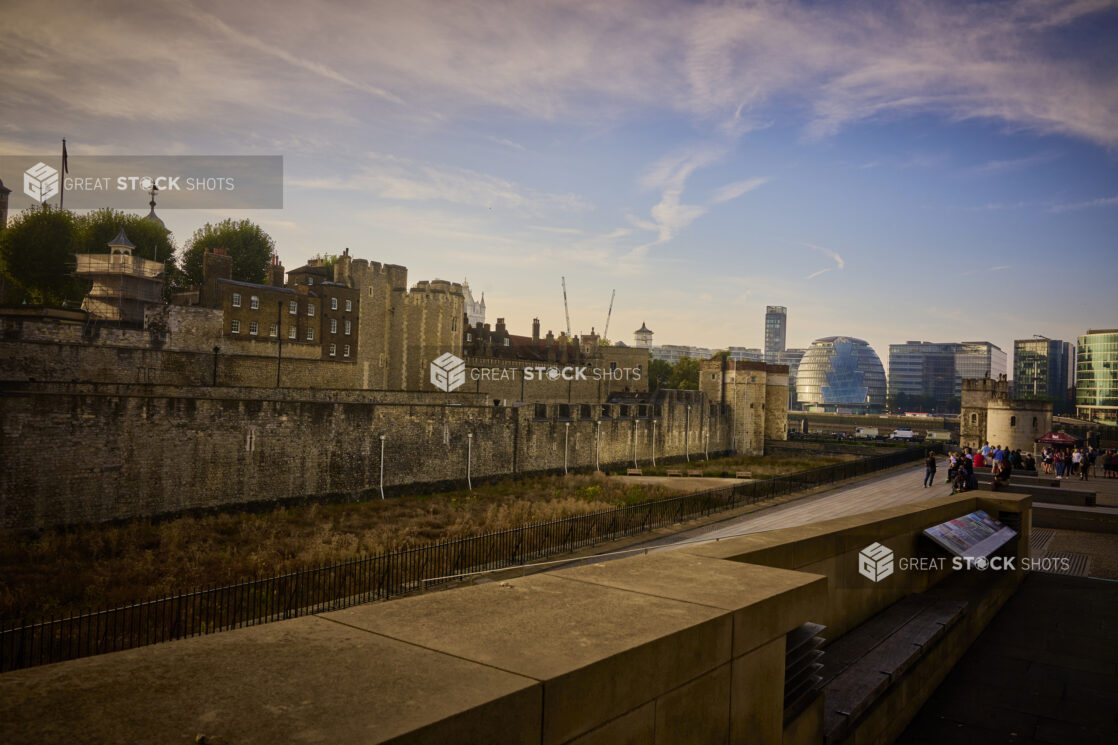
x,y
941,171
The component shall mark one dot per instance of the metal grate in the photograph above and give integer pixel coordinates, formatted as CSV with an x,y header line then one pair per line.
x,y
802,680
1039,540
1078,565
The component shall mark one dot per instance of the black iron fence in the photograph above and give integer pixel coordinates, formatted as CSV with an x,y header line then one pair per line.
x,y
26,643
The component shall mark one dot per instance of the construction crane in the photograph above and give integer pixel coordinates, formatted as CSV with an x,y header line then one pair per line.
x,y
566,312
605,331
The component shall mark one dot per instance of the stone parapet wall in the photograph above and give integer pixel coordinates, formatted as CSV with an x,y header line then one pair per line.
x,y
84,454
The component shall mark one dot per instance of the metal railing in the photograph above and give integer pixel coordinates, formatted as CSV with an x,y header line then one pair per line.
x,y
27,643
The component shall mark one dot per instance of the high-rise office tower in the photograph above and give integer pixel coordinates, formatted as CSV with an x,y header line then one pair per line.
x,y
776,331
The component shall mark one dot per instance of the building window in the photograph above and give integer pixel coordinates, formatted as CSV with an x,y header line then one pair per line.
x,y
253,328
291,333
346,351
347,328
254,302
310,310
1013,421
333,350
293,307
274,330
469,337
974,418
310,280
235,326
236,300
370,292
333,325
310,334
453,324
333,303
348,306
506,341
1034,422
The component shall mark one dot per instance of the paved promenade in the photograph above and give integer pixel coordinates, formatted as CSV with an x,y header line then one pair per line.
x,y
888,490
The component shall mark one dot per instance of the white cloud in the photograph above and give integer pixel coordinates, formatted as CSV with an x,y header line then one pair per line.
x,y
401,179
736,189
724,65
839,263
1014,164
1073,206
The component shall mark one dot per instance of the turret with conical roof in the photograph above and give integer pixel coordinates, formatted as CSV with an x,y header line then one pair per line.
x,y
643,337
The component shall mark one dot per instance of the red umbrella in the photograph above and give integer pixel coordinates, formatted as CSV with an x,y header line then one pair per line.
x,y
1058,438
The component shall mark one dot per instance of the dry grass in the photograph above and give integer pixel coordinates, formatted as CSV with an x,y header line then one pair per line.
x,y
58,572
762,467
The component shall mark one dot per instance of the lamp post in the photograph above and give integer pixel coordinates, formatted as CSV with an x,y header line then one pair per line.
x,y
382,466
469,458
566,440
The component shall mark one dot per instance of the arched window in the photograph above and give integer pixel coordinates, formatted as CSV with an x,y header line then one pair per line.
x,y
1013,421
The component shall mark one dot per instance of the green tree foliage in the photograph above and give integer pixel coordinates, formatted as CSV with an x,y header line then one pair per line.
x,y
659,374
248,245
151,239
37,258
96,229
685,374
327,262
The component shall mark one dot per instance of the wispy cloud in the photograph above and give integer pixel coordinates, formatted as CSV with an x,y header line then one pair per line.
x,y
1073,206
507,143
736,189
1014,164
726,65
839,263
669,175
395,178
987,269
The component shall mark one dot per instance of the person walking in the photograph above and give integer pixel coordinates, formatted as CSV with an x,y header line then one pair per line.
x,y
930,469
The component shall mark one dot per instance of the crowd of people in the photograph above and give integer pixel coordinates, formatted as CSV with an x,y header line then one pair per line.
x,y
962,465
1081,463
1064,463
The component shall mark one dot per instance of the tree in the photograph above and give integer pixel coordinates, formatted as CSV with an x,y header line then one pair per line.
x,y
37,258
248,245
659,374
685,374
327,262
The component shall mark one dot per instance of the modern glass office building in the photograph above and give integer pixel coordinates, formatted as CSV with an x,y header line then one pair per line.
x,y
1043,368
791,357
1096,376
841,373
776,331
922,369
978,359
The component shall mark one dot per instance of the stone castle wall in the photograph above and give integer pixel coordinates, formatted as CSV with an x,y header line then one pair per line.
x,y
90,453
756,395
989,415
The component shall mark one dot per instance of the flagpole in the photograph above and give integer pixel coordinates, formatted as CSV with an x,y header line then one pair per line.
x,y
65,170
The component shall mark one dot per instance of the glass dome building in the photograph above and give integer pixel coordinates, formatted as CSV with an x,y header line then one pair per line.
x,y
841,373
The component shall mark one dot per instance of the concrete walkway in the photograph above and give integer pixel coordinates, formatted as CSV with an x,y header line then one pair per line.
x,y
888,490
1044,671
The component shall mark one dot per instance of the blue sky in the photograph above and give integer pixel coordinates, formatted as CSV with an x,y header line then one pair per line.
x,y
887,170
